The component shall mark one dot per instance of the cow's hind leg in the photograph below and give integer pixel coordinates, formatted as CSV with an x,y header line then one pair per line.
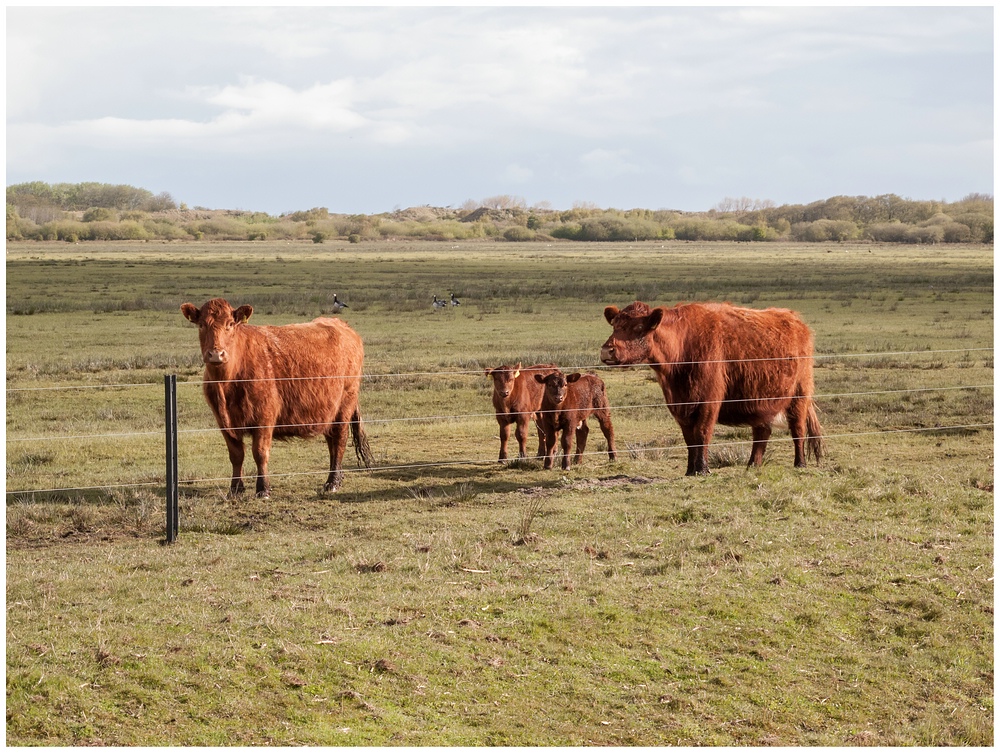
x,y
797,415
760,436
236,454
336,440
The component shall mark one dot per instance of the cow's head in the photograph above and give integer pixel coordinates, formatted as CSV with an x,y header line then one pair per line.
x,y
503,379
217,323
556,385
629,342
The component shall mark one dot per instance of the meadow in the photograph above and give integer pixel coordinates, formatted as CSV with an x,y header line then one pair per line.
x,y
443,598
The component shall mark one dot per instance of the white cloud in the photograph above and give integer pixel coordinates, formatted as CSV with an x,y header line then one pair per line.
x,y
564,103
606,163
515,173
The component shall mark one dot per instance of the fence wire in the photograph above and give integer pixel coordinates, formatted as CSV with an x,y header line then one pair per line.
x,y
485,415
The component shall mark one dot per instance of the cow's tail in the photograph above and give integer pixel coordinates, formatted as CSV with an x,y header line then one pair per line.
x,y
361,446
814,434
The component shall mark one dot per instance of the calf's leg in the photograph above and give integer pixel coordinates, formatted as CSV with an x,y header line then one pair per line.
x,y
581,443
522,436
504,437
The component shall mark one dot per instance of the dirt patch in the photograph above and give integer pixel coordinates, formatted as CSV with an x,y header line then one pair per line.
x,y
611,482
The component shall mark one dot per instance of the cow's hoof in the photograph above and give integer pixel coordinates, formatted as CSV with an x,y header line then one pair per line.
x,y
330,488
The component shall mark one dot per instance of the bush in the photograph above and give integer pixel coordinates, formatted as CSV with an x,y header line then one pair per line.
x,y
354,238
98,214
825,230
319,236
518,234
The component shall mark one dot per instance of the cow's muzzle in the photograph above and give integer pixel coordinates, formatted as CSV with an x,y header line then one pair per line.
x,y
216,357
608,356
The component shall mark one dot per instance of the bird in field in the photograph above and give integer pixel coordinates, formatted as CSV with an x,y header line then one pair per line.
x,y
338,305
455,301
439,303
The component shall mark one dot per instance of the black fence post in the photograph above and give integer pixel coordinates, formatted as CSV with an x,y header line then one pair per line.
x,y
170,390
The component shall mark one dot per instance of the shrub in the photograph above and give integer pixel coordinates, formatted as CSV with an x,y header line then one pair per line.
x,y
98,214
518,234
354,238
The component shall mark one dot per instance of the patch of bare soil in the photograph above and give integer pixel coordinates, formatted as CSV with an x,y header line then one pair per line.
x,y
610,482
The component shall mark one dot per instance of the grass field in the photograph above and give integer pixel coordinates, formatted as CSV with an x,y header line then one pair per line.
x,y
442,598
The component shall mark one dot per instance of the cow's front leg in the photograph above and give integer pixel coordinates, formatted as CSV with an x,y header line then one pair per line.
x,y
261,454
236,453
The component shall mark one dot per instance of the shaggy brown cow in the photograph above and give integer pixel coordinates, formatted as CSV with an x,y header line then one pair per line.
x,y
297,380
568,401
516,398
721,363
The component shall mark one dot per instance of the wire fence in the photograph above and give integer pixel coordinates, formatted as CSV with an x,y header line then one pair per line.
x,y
478,416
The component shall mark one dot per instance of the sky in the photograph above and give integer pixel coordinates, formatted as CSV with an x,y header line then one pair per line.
x,y
367,110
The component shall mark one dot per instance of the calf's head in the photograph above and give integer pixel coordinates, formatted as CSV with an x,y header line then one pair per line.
x,y
629,342
217,322
503,379
556,386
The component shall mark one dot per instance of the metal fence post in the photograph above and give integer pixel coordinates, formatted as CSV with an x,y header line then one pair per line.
x,y
170,390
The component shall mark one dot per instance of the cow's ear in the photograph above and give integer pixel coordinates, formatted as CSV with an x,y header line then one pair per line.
x,y
654,319
489,372
243,314
190,312
539,378
574,377
610,313
517,373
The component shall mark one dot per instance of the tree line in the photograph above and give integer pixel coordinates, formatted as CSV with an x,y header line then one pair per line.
x,y
102,212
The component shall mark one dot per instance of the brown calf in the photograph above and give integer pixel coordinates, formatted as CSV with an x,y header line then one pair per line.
x,y
516,399
718,363
568,401
298,380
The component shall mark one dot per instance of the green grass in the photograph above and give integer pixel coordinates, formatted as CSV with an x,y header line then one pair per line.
x,y
444,599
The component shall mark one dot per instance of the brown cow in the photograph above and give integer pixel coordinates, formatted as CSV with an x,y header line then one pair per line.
x,y
716,362
517,398
568,401
298,380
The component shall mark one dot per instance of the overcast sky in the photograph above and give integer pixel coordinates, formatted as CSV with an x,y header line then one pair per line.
x,y
370,109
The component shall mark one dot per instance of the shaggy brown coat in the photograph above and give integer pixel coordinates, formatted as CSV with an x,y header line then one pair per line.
x,y
716,362
567,403
297,380
516,399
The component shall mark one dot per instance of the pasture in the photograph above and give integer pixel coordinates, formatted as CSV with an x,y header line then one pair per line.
x,y
443,598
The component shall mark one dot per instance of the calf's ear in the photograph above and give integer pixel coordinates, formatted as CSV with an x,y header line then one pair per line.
x,y
190,312
539,378
243,314
574,377
610,313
